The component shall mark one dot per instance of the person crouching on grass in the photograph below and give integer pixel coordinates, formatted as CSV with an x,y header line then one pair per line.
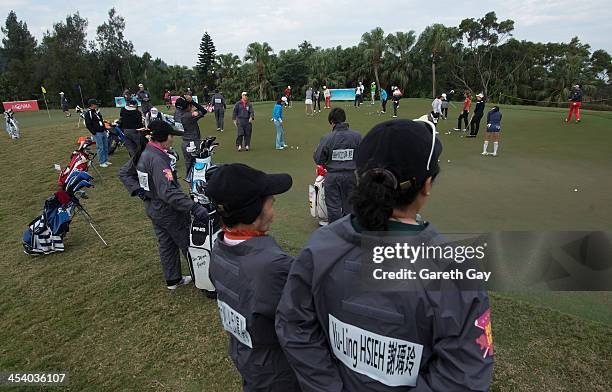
x,y
249,270
494,118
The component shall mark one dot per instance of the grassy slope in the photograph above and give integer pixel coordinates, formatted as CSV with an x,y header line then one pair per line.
x,y
103,313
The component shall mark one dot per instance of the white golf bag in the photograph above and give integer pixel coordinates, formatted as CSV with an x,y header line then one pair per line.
x,y
316,198
11,125
202,234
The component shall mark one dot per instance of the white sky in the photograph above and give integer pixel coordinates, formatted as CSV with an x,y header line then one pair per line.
x,y
172,29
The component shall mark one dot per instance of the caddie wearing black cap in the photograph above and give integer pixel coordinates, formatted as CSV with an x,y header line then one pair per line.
x,y
151,175
339,334
188,113
249,270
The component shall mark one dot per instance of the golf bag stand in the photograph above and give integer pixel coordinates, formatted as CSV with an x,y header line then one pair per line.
x,y
202,234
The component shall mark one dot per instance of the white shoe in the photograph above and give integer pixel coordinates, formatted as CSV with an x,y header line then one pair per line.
x,y
494,154
394,116
185,280
484,153
456,129
104,164
108,163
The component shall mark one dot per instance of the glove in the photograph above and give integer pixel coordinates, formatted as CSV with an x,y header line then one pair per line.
x,y
199,212
141,193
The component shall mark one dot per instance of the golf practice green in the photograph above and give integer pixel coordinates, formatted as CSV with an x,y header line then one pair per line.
x,y
104,315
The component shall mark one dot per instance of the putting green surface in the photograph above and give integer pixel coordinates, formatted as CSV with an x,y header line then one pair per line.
x,y
104,315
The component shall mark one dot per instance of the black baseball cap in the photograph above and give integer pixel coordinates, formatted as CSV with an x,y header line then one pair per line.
x,y
160,130
406,148
239,191
92,101
181,103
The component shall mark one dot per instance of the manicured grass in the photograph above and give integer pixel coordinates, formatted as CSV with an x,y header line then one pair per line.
x,y
103,313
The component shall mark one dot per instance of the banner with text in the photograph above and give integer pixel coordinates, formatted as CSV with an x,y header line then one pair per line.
x,y
21,106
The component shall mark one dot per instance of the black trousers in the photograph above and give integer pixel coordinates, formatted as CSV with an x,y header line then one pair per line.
x,y
133,141
445,112
245,130
464,116
219,115
384,105
173,240
357,100
339,187
395,105
316,102
475,124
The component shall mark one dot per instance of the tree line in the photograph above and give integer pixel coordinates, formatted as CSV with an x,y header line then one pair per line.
x,y
479,55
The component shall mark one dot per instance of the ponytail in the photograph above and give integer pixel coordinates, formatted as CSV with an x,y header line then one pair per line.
x,y
377,194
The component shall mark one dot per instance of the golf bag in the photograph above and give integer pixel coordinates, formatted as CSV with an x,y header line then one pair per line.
x,y
316,197
45,234
80,160
10,124
81,114
202,234
116,138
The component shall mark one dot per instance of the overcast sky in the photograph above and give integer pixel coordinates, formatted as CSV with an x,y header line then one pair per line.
x,y
172,29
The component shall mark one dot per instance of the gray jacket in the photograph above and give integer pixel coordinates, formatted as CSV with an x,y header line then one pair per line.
x,y
338,148
249,279
218,101
190,122
241,113
155,173
428,338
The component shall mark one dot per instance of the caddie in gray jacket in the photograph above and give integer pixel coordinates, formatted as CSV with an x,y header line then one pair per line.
x,y
341,330
218,102
188,113
151,175
336,151
249,270
243,117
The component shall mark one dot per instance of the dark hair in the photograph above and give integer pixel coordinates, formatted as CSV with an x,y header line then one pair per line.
x,y
336,116
279,100
158,138
141,147
216,90
375,198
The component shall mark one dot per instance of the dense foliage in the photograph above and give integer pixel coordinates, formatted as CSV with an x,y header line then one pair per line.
x,y
479,55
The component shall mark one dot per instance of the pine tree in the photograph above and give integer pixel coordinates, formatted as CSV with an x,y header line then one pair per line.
x,y
206,60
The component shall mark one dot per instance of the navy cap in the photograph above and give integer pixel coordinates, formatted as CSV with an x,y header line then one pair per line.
x,y
239,191
406,148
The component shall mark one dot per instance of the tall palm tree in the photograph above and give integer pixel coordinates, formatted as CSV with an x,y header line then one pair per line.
x,y
375,45
228,65
259,54
399,68
436,38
